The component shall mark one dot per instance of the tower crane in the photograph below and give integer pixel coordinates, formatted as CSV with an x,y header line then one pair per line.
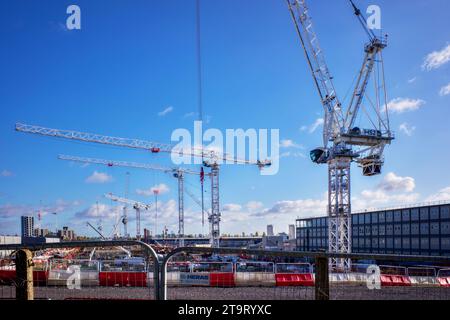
x,y
137,206
343,141
177,173
210,158
103,238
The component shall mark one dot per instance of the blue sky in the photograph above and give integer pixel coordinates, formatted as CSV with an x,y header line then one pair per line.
x,y
133,60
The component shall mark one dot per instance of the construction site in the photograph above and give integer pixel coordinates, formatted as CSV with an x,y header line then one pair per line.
x,y
145,245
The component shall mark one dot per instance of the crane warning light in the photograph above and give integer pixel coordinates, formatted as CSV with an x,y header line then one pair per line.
x,y
155,150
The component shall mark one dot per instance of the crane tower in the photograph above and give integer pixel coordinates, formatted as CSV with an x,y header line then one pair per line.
x,y
348,135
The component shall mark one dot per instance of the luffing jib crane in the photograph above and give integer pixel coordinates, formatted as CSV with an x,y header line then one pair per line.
x,y
344,141
177,173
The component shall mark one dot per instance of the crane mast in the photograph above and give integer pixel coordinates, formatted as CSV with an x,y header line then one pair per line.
x,y
344,143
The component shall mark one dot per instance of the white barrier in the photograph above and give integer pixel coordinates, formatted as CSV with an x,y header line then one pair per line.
x,y
60,277
254,279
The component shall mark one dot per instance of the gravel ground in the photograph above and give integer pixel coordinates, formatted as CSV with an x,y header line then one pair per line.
x,y
338,292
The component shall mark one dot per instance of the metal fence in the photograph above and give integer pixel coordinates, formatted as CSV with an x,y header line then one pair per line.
x,y
80,275
99,270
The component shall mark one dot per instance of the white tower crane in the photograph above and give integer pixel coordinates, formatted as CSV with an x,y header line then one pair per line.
x,y
177,173
211,159
137,206
343,141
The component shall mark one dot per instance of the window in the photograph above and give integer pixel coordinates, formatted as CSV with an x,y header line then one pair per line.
x,y
381,229
368,243
354,231
355,243
415,228
397,216
389,230
414,214
382,217
375,217
355,219
367,218
314,223
445,227
389,216
445,212
397,229
389,243
382,243
405,229
375,243
434,243
361,231
445,243
405,216
434,213
434,228
424,244
367,230
374,230
424,214
397,243
415,244
424,228
361,218
406,243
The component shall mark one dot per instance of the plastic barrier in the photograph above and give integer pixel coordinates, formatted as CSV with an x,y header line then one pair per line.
x,y
221,279
395,281
292,279
122,279
254,279
60,278
423,281
195,279
444,281
9,277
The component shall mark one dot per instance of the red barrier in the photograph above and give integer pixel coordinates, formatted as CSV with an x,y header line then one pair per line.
x,y
395,281
294,279
123,279
9,277
444,281
223,279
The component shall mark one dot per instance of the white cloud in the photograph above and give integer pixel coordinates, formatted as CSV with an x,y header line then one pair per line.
x,y
98,177
302,208
6,173
437,59
412,80
161,188
445,90
254,205
59,206
392,190
165,111
394,183
407,129
288,143
400,105
189,114
233,207
99,211
442,195
313,127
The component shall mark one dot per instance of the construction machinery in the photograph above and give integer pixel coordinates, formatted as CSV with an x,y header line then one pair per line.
x,y
178,173
137,206
211,159
358,134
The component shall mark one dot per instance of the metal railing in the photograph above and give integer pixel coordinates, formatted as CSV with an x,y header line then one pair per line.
x,y
24,271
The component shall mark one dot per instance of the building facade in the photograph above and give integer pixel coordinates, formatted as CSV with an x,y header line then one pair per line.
x,y
27,226
421,230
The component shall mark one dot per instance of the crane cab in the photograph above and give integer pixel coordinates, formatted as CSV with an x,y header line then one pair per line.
x,y
319,155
